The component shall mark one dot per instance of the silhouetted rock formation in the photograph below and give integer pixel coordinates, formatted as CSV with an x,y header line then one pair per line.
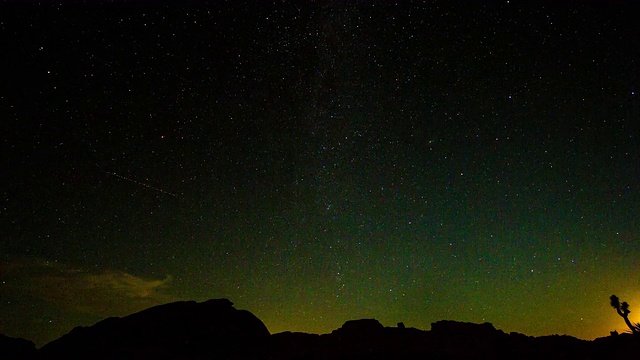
x,y
15,348
213,329
463,340
362,328
367,339
216,330
622,346
464,329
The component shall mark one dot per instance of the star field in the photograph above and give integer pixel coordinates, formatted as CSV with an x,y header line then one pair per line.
x,y
320,163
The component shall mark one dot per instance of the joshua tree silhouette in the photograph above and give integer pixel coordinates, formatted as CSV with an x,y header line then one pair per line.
x,y
623,310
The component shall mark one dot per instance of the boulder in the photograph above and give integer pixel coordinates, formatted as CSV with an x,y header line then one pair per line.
x,y
456,328
359,328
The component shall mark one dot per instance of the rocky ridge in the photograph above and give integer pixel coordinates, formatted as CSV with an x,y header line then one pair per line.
x,y
214,329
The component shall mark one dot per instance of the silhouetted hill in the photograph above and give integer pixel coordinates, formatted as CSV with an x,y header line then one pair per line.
x,y
16,348
211,329
216,330
623,346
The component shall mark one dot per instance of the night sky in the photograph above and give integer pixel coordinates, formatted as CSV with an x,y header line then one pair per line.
x,y
321,163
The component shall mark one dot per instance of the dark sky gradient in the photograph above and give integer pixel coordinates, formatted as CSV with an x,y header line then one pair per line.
x,y
321,163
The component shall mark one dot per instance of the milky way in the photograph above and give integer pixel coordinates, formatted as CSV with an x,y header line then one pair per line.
x,y
324,163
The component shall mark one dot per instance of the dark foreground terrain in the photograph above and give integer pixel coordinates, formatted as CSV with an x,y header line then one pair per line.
x,y
214,329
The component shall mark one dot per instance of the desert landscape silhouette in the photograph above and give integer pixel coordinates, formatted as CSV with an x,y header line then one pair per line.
x,y
214,329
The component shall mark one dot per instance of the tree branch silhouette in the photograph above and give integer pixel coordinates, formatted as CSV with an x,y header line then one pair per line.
x,y
623,310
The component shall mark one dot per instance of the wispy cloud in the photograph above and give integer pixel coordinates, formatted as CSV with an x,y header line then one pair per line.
x,y
103,293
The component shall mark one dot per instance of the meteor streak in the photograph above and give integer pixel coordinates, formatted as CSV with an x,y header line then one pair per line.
x,y
140,183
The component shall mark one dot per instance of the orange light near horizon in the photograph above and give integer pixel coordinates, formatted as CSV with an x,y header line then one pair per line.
x,y
616,322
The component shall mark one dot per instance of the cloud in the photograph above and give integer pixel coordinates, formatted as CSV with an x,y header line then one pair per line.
x,y
103,293
126,284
